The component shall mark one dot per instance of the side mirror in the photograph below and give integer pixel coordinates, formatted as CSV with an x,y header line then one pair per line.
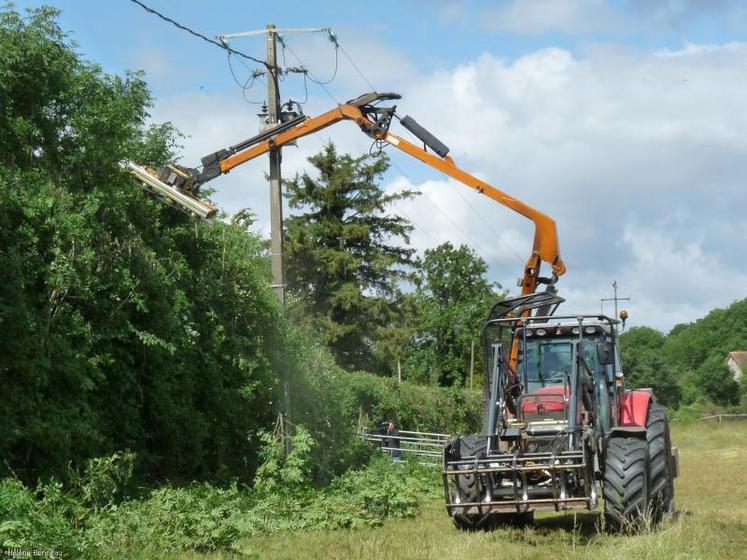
x,y
604,353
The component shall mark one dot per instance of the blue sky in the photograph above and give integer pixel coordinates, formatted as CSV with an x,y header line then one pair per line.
x,y
623,120
438,34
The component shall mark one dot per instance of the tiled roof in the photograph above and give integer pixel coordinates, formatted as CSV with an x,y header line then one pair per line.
x,y
739,357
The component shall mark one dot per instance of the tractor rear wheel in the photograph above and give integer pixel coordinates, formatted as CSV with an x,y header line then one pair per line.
x,y
660,453
626,483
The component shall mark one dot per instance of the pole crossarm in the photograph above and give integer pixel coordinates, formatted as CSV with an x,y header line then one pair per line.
x,y
226,36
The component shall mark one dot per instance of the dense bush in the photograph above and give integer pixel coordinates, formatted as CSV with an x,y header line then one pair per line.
x,y
334,404
202,516
125,324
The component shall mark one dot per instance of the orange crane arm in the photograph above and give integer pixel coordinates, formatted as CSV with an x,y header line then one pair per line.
x,y
545,246
308,126
374,121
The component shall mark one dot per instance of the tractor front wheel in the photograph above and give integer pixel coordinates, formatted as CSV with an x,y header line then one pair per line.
x,y
466,490
626,483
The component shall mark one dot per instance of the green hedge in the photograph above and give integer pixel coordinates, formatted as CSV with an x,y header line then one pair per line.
x,y
334,405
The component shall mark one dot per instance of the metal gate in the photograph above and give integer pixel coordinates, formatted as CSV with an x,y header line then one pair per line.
x,y
426,447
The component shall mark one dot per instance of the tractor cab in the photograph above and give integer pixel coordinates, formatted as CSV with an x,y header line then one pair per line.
x,y
549,356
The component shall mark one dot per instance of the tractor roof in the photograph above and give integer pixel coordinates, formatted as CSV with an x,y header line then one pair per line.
x,y
563,322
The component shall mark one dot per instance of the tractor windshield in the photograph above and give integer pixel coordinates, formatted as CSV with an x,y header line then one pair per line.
x,y
548,361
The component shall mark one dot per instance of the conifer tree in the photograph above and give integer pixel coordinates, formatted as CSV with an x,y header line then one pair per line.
x,y
346,252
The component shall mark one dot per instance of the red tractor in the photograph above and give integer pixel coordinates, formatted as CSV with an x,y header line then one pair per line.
x,y
561,430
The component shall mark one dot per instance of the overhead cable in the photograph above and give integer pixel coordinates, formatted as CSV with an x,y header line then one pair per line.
x,y
199,35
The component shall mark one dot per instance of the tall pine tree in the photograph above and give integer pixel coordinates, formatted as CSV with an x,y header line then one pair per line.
x,y
346,253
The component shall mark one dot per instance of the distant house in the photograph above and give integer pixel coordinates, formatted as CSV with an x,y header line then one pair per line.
x,y
737,363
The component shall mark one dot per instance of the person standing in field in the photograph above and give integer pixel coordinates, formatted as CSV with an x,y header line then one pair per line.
x,y
393,440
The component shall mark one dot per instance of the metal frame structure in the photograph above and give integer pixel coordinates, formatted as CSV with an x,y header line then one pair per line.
x,y
426,447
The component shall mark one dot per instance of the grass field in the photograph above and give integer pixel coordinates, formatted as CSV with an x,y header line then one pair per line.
x,y
711,521
711,500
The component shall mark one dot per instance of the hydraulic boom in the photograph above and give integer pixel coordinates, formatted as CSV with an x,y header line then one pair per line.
x,y
374,120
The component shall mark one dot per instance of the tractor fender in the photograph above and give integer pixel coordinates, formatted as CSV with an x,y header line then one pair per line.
x,y
634,409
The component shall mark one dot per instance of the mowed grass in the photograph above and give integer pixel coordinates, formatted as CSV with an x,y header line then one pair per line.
x,y
711,521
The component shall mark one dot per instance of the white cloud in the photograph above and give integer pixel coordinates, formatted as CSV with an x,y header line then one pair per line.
x,y
618,142
669,280
638,156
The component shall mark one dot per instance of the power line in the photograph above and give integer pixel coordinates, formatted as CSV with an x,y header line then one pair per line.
x,y
334,74
200,35
498,235
450,220
484,221
248,83
311,75
360,72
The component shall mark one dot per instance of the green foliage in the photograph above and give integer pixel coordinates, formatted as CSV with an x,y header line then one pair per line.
x,y
453,298
54,517
345,256
332,403
644,363
105,480
197,517
203,517
281,471
688,365
133,328
45,518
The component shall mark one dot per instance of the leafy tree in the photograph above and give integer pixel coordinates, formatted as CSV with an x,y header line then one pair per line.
x,y
687,365
454,296
346,256
126,325
645,364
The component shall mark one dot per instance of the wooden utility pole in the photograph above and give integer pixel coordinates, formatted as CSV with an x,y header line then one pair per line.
x,y
274,117
276,193
276,206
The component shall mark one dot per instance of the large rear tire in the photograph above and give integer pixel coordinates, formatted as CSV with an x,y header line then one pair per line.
x,y
660,453
626,483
